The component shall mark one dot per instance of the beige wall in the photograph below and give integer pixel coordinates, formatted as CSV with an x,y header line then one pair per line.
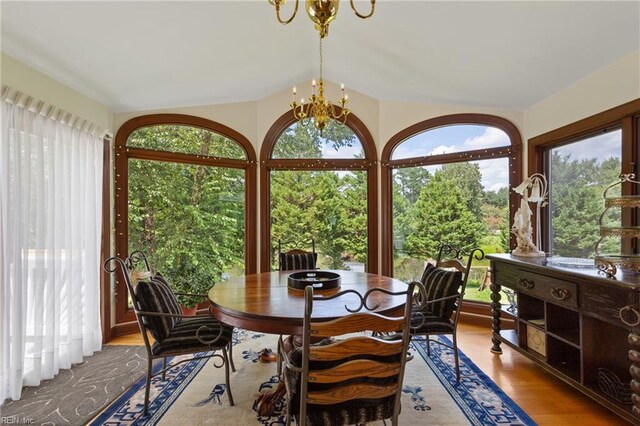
x,y
21,77
616,84
254,119
241,117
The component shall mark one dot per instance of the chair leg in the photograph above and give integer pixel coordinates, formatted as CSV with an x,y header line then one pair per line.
x,y
279,362
226,375
428,345
233,366
147,388
455,356
164,368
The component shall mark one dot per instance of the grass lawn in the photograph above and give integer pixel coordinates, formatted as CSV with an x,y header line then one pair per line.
x,y
473,293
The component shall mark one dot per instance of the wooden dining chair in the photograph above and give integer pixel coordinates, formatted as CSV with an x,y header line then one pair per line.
x,y
437,306
355,379
297,259
159,313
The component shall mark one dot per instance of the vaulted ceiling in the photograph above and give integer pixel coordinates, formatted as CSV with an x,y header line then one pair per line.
x,y
145,55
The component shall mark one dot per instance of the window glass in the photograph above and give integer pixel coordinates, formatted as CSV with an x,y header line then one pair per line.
x,y
305,141
578,174
462,204
189,220
327,206
186,140
449,139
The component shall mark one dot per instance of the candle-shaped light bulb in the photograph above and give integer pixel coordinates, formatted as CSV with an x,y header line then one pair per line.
x,y
342,87
313,83
302,100
294,90
346,97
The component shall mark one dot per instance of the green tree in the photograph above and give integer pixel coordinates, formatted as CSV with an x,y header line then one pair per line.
x,y
410,181
189,219
354,232
406,188
306,205
577,203
467,177
300,141
442,216
499,198
327,206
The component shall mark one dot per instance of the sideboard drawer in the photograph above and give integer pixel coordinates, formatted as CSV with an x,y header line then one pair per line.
x,y
556,291
603,303
505,275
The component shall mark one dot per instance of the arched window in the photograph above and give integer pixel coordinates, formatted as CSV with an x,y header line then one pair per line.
x,y
447,180
185,195
321,188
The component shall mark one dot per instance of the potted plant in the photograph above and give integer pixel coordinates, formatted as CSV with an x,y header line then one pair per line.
x,y
185,275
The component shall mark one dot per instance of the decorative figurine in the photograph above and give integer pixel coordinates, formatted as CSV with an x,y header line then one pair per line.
x,y
533,190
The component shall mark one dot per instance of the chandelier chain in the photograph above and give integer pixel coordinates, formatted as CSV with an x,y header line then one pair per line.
x,y
321,58
319,109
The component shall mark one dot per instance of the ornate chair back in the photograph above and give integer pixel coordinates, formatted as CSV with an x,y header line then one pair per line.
x,y
296,259
357,378
442,288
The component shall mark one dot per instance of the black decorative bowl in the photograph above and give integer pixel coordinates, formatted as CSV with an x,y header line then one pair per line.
x,y
320,280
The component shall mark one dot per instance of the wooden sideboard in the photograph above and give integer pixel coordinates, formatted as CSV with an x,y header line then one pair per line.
x,y
575,323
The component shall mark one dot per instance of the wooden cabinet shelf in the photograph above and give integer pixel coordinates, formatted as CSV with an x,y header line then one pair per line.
x,y
570,337
568,321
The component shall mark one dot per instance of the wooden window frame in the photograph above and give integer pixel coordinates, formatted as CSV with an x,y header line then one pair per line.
x,y
623,116
368,164
513,152
125,317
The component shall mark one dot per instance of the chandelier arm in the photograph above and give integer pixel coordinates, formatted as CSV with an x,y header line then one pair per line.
x,y
340,118
333,112
358,14
278,3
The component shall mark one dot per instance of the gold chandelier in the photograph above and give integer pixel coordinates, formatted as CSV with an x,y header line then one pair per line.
x,y
319,109
321,12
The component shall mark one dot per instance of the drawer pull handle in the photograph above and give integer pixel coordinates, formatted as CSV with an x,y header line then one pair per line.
x,y
560,293
630,308
526,283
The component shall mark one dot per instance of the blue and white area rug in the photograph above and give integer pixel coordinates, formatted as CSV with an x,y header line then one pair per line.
x,y
194,392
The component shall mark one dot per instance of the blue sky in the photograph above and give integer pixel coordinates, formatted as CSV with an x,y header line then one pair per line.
x,y
495,172
600,147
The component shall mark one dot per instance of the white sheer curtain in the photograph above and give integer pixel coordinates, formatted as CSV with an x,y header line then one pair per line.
x,y
50,210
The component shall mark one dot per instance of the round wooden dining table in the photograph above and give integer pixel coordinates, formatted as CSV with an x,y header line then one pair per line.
x,y
264,302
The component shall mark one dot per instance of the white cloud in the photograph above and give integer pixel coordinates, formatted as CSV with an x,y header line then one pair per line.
x,y
495,173
600,147
449,141
491,138
443,149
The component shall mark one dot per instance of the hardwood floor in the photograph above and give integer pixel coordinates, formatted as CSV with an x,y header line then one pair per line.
x,y
546,399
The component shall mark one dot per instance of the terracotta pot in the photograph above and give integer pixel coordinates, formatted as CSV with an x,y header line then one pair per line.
x,y
189,312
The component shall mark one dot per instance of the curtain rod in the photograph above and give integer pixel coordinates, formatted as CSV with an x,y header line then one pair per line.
x,y
52,112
